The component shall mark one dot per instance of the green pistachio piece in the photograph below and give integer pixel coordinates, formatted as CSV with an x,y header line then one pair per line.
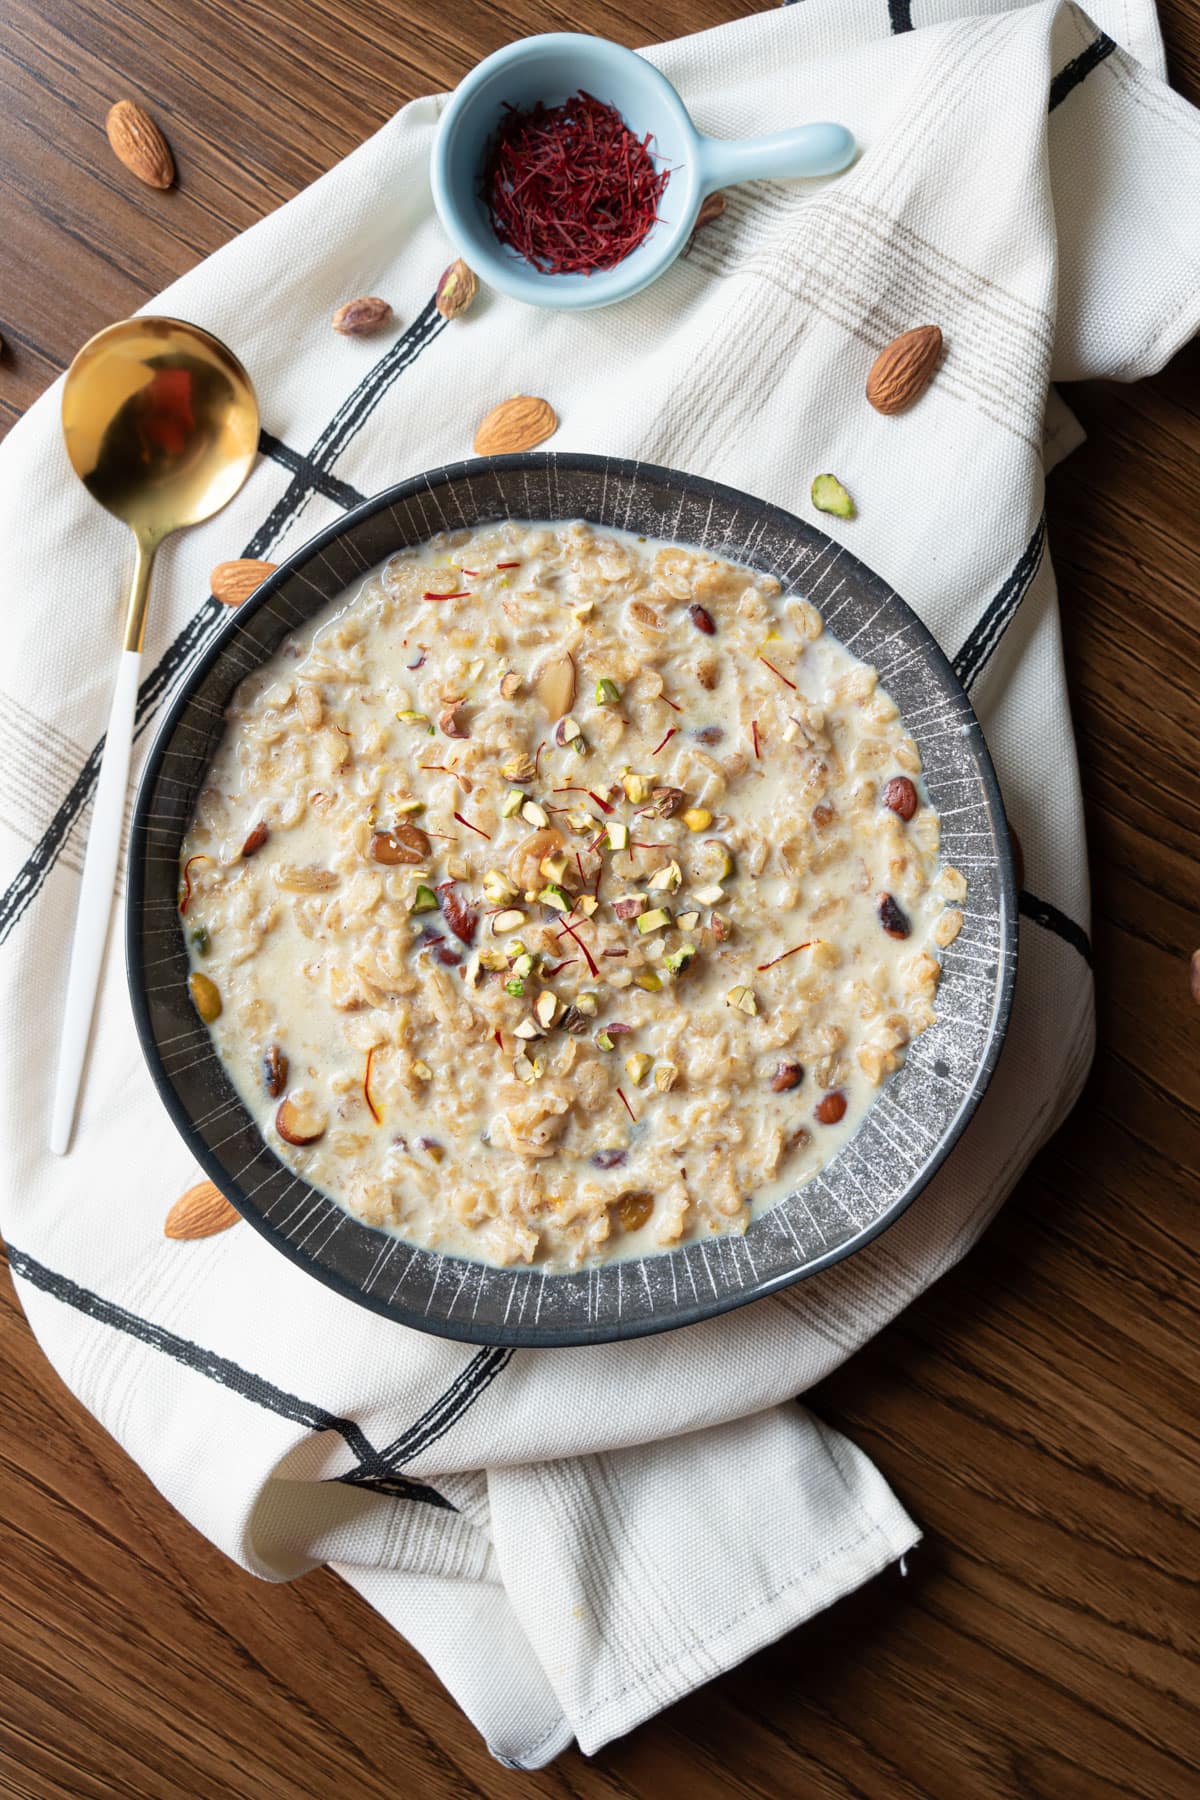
x,y
424,900
829,496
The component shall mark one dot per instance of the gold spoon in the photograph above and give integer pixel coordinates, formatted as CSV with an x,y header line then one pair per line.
x,y
161,426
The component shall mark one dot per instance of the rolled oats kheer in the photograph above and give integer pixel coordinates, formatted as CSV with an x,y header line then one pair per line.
x,y
562,895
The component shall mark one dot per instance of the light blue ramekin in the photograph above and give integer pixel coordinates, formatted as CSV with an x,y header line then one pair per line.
x,y
551,68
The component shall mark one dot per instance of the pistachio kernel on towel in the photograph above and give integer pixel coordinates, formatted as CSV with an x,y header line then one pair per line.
x,y
829,496
361,317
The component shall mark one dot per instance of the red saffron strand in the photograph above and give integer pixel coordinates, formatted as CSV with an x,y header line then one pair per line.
x,y
187,881
371,1107
499,1039
537,756
754,734
579,866
515,565
780,674
670,703
439,768
593,967
463,595
602,804
674,729
477,828
794,951
626,1105
570,187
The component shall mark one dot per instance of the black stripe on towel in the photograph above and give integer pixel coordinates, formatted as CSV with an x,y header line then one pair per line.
x,y
1000,611
219,1369
338,491
1041,912
1079,68
458,1399
349,419
900,15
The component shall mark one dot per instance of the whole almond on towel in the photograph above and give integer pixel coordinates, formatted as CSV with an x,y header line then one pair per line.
x,y
233,582
139,144
361,317
200,1213
516,424
901,372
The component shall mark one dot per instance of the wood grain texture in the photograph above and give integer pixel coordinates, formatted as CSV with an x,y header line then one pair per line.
x,y
1036,1411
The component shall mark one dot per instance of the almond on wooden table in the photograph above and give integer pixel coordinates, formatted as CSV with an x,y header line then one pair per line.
x,y
233,582
139,144
199,1213
904,368
516,424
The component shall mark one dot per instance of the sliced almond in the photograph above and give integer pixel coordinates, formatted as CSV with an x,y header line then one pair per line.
x,y
233,582
139,144
296,1125
200,1213
516,424
554,683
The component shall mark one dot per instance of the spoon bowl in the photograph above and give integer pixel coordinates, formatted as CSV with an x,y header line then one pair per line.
x,y
160,422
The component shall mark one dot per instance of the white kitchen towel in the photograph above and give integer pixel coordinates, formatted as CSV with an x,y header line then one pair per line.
x,y
574,1538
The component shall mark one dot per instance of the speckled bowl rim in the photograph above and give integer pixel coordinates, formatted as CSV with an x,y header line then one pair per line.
x,y
526,1307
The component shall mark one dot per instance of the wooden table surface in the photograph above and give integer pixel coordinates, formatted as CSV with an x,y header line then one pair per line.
x,y
1036,1411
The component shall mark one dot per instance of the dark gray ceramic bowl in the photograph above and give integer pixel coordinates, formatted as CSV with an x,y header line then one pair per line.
x,y
920,1113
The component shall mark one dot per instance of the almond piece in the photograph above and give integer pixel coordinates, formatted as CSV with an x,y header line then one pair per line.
x,y
359,318
233,582
296,1125
139,144
200,1213
516,424
553,682
903,370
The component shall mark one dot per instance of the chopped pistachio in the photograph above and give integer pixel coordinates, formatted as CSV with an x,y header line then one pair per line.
x,y
533,814
829,496
522,964
408,806
422,1070
603,1041
636,787
719,926
618,835
688,921
697,818
648,980
200,939
424,900
408,717
712,895
518,767
567,730
654,920
508,921
637,1067
552,895
553,867
512,803
667,878
580,819
528,1028
498,888
722,858
607,692
665,1077
471,972
547,1007
675,961
587,1003
587,905
524,1070
516,987
742,998
493,959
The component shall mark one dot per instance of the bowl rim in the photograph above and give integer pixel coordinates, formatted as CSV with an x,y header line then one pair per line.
x,y
622,1328
507,274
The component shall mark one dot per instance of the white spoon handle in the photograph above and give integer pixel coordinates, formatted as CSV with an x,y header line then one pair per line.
x,y
95,899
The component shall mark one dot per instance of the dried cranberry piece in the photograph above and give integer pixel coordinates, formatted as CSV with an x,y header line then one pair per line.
x,y
701,618
891,917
